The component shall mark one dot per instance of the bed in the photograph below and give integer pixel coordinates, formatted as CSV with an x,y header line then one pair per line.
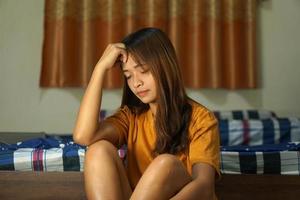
x,y
259,160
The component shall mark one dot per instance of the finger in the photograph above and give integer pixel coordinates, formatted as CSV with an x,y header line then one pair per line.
x,y
123,55
120,45
120,50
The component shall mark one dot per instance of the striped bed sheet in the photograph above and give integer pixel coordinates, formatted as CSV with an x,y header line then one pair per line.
x,y
52,153
65,155
281,159
253,142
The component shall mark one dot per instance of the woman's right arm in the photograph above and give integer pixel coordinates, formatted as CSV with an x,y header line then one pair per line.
x,y
87,127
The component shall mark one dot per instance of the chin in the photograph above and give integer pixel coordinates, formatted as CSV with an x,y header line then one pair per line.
x,y
146,101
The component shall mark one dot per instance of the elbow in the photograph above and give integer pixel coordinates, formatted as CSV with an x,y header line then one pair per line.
x,y
79,138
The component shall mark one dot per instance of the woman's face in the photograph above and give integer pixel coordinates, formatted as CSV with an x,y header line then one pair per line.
x,y
140,80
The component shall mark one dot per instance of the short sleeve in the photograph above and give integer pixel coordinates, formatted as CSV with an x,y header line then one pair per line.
x,y
204,140
121,120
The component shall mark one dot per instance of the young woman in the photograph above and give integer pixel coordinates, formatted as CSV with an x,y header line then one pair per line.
x,y
172,141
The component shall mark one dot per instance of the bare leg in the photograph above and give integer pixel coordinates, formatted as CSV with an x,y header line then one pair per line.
x,y
104,173
163,178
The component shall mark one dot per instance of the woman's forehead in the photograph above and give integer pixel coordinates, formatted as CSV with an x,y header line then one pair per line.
x,y
131,63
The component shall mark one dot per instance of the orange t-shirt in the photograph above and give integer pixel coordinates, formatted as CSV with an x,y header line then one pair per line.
x,y
137,131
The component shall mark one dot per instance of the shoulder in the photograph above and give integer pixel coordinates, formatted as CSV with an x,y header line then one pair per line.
x,y
200,113
125,110
122,113
201,118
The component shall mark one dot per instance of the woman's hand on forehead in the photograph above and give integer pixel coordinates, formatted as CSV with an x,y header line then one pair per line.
x,y
112,56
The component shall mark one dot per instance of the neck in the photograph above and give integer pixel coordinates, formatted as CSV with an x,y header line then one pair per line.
x,y
153,107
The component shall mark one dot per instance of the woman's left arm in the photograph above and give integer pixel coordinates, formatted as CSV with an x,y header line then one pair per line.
x,y
202,187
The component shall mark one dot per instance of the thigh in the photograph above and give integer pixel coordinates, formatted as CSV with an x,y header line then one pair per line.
x,y
163,178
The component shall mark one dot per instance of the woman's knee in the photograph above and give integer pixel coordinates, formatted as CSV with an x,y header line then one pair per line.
x,y
101,148
167,162
168,173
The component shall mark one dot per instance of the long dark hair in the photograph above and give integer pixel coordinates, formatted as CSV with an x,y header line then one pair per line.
x,y
153,47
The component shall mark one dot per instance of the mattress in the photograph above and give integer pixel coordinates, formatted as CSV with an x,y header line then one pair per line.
x,y
61,154
281,159
252,142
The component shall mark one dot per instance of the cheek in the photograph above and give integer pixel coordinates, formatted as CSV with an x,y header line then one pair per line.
x,y
152,82
129,84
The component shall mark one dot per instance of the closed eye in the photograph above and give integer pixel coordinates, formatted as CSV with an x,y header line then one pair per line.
x,y
145,71
127,77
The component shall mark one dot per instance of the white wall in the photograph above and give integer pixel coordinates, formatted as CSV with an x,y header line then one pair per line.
x,y
26,107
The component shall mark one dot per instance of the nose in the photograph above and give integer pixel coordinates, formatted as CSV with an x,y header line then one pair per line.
x,y
137,81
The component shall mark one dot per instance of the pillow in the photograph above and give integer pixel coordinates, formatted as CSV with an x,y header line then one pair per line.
x,y
244,114
259,131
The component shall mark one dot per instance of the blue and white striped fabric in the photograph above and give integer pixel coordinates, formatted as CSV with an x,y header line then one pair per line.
x,y
258,132
42,154
263,159
281,159
253,142
244,114
53,153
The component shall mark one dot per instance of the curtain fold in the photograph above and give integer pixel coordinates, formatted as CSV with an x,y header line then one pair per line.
x,y
215,40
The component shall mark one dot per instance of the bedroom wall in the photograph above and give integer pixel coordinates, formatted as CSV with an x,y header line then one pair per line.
x,y
27,108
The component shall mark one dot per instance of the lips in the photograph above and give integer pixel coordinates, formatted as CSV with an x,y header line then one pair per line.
x,y
142,93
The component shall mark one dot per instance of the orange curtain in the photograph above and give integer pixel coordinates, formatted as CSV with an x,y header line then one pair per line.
x,y
215,39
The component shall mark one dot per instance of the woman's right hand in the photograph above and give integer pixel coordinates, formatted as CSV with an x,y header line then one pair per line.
x,y
113,54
